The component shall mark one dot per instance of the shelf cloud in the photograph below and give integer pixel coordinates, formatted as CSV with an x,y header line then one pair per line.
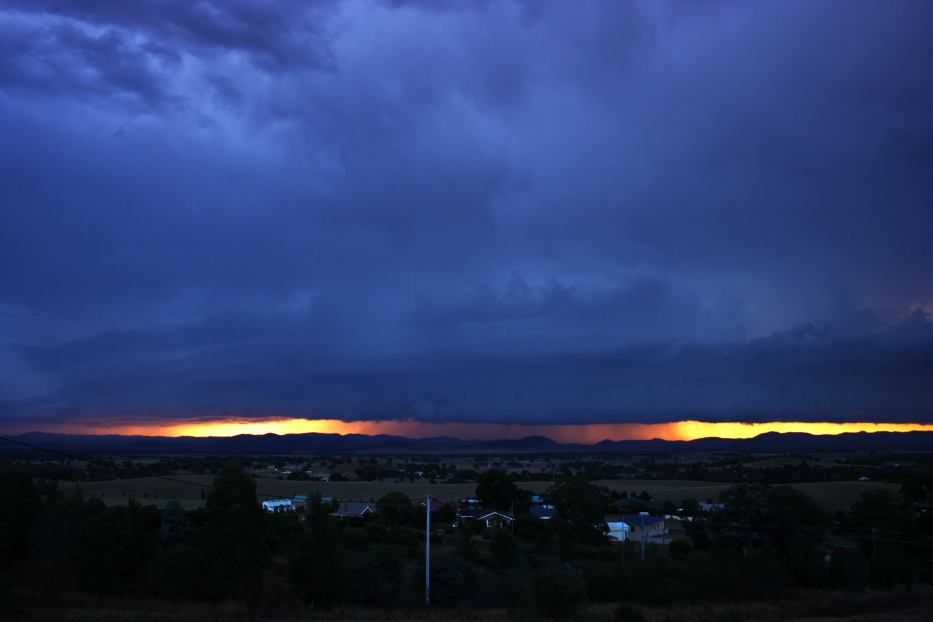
x,y
486,212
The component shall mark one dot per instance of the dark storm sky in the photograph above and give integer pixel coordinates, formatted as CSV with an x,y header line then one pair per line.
x,y
474,211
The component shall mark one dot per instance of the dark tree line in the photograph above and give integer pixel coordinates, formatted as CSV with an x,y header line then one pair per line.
x,y
769,541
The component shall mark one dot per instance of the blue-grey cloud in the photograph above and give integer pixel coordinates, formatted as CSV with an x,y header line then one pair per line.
x,y
466,210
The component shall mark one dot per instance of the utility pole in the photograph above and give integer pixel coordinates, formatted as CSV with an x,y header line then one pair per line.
x,y
427,554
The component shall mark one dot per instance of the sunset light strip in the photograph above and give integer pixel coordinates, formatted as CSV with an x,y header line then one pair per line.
x,y
565,433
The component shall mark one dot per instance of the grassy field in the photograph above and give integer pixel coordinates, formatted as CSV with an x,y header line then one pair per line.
x,y
832,495
188,489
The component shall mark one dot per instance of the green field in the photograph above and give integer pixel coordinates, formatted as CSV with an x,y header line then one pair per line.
x,y
188,488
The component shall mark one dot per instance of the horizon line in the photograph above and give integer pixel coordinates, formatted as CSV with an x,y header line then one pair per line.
x,y
586,434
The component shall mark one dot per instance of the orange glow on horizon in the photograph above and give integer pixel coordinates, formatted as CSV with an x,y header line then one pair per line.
x,y
564,433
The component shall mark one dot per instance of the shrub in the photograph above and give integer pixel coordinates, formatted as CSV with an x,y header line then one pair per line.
x,y
626,612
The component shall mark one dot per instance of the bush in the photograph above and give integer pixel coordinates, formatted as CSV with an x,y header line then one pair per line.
x,y
557,593
628,613
376,578
453,580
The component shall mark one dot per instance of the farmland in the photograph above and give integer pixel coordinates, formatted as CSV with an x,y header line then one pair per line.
x,y
187,488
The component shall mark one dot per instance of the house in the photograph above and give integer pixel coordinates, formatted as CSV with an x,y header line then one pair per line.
x,y
643,524
491,518
706,506
278,505
618,531
537,499
353,509
544,511
494,518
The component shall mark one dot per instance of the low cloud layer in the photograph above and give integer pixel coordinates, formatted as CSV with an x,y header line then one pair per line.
x,y
466,211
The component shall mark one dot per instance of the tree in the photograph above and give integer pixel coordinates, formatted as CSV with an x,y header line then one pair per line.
x,y
502,548
690,507
848,570
376,578
777,511
236,548
880,508
495,490
175,526
19,505
102,552
395,507
580,507
453,580
557,593
463,541
317,566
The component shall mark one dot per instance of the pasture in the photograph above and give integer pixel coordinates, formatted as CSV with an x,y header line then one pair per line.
x,y
188,489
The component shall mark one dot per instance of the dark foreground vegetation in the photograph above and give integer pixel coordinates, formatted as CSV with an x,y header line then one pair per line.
x,y
772,553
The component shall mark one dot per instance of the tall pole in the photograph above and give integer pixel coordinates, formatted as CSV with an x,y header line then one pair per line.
x,y
427,555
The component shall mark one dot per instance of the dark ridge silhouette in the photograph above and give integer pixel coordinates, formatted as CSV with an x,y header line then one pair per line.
x,y
381,443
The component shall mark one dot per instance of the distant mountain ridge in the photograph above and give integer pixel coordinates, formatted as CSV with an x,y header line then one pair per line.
x,y
320,443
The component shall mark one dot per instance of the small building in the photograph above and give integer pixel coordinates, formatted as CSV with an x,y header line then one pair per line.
x,y
544,511
537,499
353,509
706,506
618,531
278,505
644,524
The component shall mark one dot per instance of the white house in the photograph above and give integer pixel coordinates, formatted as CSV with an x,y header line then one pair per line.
x,y
494,518
278,505
489,517
618,531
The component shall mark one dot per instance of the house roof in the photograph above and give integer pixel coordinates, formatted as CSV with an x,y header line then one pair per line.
x,y
484,514
476,513
353,508
618,526
271,503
